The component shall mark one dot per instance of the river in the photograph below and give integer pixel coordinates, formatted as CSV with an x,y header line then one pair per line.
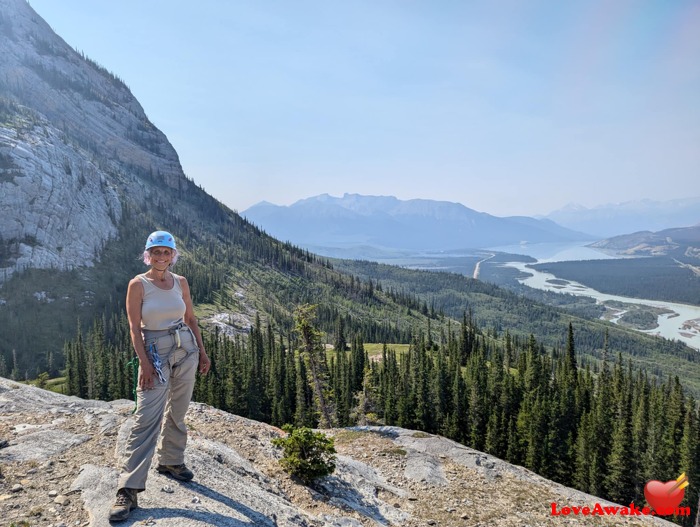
x,y
677,322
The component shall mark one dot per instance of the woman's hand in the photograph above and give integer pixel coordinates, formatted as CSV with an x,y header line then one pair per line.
x,y
147,375
204,362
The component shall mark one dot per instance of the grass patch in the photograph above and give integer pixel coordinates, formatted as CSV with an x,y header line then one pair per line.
x,y
420,435
348,436
375,349
58,385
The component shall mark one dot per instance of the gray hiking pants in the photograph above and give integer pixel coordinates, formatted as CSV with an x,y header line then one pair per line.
x,y
179,356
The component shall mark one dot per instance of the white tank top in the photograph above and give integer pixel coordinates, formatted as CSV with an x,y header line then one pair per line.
x,y
161,308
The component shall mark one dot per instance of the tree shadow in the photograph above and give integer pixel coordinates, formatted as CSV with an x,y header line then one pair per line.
x,y
341,493
391,432
254,518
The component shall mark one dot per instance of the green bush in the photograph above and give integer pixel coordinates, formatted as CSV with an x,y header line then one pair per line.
x,y
307,455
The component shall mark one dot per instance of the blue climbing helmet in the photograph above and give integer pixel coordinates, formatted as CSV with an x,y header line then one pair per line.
x,y
160,239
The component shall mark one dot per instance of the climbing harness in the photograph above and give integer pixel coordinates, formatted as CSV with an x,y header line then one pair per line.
x,y
154,356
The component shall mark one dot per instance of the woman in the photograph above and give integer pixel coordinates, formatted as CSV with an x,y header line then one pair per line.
x,y
169,346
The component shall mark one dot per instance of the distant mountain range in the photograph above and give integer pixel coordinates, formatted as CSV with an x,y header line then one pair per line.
x,y
614,219
680,243
386,222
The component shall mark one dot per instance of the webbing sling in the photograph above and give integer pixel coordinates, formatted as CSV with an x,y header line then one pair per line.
x,y
157,365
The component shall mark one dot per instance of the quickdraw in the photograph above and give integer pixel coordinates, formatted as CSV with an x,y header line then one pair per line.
x,y
157,365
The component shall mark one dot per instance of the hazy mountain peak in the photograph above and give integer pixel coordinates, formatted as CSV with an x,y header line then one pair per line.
x,y
388,222
572,207
614,219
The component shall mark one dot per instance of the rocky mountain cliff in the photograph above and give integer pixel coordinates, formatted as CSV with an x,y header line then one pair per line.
x,y
84,177
386,222
60,456
74,145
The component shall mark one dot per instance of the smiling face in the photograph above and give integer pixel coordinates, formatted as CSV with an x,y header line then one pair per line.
x,y
161,257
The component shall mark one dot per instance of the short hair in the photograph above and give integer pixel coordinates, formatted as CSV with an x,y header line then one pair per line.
x,y
147,256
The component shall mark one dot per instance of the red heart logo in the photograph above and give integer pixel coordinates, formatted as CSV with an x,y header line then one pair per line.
x,y
660,497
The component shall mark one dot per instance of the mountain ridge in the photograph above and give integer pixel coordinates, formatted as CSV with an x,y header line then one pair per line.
x,y
60,114
616,219
682,242
388,222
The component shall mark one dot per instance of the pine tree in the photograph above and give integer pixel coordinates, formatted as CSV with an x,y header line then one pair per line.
x,y
357,363
340,341
620,479
496,426
689,455
312,351
456,424
478,403
303,415
389,374
603,425
366,400
254,373
571,351
584,453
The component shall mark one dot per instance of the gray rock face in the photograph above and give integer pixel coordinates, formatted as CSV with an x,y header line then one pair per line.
x,y
49,217
74,145
63,457
42,445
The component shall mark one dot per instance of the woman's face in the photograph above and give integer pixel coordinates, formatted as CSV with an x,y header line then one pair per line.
x,y
161,257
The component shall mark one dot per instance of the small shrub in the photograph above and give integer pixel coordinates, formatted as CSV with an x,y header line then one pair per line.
x,y
307,455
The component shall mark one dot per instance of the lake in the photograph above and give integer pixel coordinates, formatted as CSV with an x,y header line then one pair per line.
x,y
555,252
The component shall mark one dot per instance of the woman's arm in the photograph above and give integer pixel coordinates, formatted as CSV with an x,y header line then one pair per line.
x,y
134,299
191,321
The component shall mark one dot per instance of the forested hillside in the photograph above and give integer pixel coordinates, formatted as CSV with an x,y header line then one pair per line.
x,y
497,310
605,430
231,265
656,278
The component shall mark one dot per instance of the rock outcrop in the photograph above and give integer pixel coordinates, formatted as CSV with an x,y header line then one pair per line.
x,y
75,145
60,456
51,217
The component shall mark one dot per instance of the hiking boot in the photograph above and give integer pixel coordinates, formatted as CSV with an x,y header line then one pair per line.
x,y
126,500
180,472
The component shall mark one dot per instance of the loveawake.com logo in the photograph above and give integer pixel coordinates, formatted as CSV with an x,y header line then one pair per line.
x,y
663,499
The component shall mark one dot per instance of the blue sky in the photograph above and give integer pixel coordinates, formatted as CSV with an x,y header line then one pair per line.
x,y
509,107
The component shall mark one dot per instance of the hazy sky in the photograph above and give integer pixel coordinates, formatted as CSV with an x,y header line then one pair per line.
x,y
509,107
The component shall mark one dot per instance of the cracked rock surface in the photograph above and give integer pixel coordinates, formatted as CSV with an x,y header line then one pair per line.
x,y
59,458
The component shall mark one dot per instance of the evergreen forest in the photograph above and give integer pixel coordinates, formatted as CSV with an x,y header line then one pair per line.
x,y
605,430
657,278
